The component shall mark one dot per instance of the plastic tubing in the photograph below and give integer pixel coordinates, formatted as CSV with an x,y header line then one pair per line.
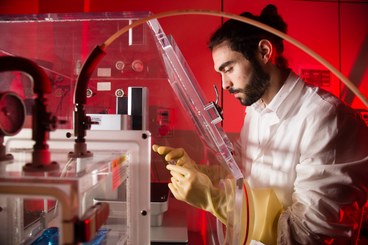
x,y
282,35
41,82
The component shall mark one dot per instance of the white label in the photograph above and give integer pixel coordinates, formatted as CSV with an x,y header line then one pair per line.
x,y
104,72
103,86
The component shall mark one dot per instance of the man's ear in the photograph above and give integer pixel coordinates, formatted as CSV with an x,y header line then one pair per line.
x,y
265,49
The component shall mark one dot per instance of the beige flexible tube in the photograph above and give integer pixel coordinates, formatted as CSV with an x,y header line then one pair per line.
x,y
284,36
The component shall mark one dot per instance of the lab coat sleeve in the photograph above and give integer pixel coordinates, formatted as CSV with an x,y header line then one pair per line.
x,y
330,191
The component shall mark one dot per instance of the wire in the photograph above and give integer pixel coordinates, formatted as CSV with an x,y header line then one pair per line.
x,y
282,35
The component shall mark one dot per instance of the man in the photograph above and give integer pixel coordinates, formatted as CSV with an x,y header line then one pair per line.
x,y
300,142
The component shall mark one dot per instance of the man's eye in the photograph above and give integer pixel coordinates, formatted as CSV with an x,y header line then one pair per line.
x,y
228,69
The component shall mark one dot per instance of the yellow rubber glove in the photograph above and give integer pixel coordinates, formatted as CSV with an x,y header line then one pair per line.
x,y
190,185
259,214
267,209
176,156
195,188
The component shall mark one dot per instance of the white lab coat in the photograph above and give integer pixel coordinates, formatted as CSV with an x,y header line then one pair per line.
x,y
313,152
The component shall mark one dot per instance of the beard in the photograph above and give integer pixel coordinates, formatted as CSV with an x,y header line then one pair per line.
x,y
254,90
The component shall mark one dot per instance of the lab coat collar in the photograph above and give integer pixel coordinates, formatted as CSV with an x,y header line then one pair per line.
x,y
274,106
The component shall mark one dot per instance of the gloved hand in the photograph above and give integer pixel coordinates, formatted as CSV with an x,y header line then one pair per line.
x,y
177,156
195,188
190,185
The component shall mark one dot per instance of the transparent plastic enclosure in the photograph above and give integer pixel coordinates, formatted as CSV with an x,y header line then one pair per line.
x,y
39,201
60,43
206,118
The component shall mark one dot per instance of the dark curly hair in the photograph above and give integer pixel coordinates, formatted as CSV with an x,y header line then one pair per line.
x,y
244,38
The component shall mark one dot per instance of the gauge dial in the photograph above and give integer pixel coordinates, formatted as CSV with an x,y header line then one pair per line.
x,y
12,113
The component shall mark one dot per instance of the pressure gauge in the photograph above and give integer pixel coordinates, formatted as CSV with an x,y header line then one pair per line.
x,y
12,113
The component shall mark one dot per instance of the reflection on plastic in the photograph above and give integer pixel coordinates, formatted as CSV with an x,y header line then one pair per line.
x,y
51,237
48,237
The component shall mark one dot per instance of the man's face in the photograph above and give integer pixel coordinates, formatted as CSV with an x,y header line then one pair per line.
x,y
246,80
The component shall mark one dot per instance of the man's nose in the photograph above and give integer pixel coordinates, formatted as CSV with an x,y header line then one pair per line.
x,y
226,82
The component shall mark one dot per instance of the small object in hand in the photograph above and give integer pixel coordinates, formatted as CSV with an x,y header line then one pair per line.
x,y
172,162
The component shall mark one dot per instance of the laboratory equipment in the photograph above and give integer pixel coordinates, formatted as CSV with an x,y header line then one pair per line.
x,y
33,202
144,57
109,187
12,117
